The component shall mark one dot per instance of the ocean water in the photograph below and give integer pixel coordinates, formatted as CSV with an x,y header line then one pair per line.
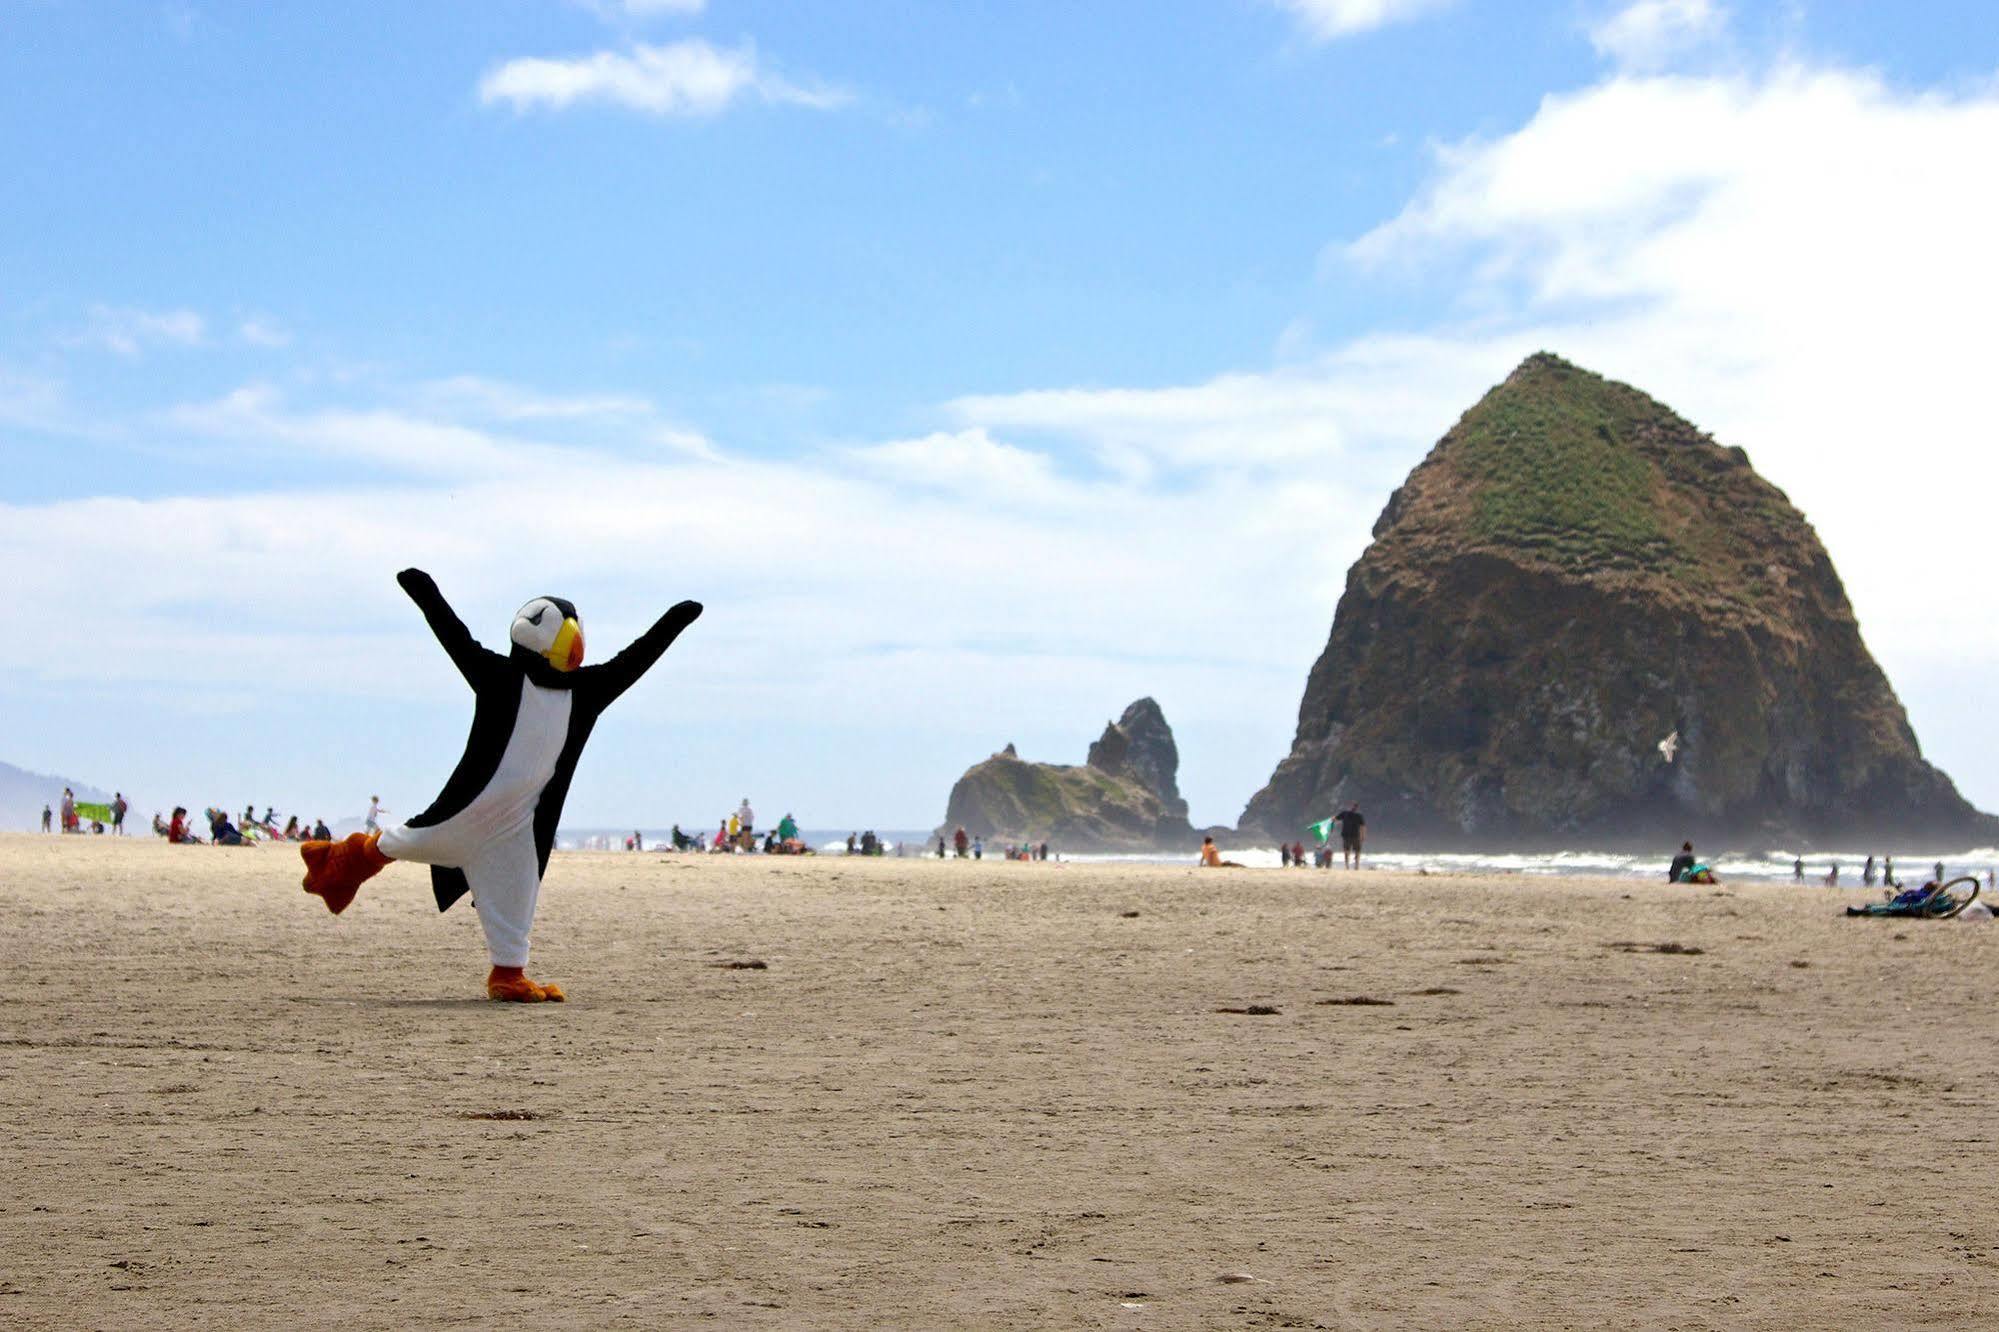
x,y
1912,866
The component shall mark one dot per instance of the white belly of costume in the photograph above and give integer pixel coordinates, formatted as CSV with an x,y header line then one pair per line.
x,y
492,839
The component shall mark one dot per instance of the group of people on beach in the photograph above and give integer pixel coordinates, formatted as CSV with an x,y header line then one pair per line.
x,y
737,834
1350,822
73,812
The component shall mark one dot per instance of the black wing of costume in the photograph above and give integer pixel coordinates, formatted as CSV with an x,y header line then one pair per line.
x,y
496,693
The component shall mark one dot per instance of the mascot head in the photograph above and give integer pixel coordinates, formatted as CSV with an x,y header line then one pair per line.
x,y
548,627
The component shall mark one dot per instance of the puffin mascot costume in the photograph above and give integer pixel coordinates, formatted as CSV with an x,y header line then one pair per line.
x,y
490,830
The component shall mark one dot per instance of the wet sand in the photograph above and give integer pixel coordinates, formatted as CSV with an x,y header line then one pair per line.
x,y
992,1096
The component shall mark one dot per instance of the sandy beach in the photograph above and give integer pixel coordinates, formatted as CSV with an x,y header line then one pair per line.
x,y
991,1095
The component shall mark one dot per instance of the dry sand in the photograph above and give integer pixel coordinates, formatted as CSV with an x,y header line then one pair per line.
x,y
984,1096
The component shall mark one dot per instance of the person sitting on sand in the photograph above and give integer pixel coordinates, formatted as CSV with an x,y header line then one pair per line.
x,y
1681,863
221,832
1211,857
178,832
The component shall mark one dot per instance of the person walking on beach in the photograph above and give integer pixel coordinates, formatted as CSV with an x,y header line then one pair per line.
x,y
1888,872
68,809
978,848
118,808
48,816
373,823
1832,876
1867,873
1798,869
1353,832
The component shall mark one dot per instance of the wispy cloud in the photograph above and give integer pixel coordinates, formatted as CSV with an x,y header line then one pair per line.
x,y
129,332
262,331
684,78
615,10
1651,33
1327,20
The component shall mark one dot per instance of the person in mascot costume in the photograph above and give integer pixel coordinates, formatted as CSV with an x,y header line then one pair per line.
x,y
490,830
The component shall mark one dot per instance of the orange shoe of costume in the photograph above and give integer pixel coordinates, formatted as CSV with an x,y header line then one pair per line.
x,y
335,871
510,985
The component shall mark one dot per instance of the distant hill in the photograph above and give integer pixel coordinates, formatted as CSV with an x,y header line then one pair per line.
x,y
1571,576
23,793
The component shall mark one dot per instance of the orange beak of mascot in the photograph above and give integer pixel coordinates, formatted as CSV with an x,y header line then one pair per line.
x,y
490,831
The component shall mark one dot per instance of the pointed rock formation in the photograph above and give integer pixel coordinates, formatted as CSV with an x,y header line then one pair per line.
x,y
1140,745
1125,798
1570,576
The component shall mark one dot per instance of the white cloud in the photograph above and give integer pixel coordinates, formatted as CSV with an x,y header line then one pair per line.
x,y
684,78
492,399
128,332
260,331
1651,33
611,10
1325,20
970,462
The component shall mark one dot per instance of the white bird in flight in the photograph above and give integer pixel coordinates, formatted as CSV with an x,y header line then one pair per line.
x,y
1670,746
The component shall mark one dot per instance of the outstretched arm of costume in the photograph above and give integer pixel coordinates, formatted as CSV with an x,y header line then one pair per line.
x,y
621,672
464,650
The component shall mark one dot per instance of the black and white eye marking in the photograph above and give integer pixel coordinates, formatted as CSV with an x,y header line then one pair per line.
x,y
537,623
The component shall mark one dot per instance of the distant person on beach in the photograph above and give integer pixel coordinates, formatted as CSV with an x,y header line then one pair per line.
x,y
320,832
373,823
940,846
118,808
48,816
1298,855
960,843
1867,873
1939,873
1353,832
1283,856
1888,872
1798,869
746,816
1211,857
177,831
1681,863
221,832
68,808
1832,876
787,827
978,848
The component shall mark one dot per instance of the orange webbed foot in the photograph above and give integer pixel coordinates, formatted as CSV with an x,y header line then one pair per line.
x,y
335,871
510,985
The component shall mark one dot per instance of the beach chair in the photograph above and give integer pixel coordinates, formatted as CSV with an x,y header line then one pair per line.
x,y
1934,901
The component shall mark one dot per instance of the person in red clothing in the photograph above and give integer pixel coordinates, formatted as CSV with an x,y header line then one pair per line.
x,y
177,832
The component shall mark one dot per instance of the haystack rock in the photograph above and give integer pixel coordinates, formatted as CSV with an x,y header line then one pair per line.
x,y
1126,797
1573,574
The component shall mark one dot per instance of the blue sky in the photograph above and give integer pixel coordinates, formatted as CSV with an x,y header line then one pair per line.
x,y
982,366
